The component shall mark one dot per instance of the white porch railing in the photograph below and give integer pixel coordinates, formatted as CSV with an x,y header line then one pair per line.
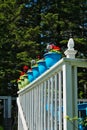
x,y
45,103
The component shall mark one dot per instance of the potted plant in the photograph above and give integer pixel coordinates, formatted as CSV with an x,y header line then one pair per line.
x,y
35,71
26,81
42,66
23,78
53,55
22,81
30,75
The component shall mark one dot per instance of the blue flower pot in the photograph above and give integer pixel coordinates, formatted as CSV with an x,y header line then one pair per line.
x,y
30,76
51,58
42,66
35,71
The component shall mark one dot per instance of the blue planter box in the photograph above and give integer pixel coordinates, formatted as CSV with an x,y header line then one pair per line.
x,y
42,66
51,58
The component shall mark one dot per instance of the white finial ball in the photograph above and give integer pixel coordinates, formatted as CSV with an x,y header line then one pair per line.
x,y
71,44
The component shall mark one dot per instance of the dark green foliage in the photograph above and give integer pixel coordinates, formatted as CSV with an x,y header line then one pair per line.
x,y
27,26
18,43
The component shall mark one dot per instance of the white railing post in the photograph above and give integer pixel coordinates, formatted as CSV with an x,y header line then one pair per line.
x,y
45,105
48,105
42,107
56,111
68,96
70,90
51,110
60,101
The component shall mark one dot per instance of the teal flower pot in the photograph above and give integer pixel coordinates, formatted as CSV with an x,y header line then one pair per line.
x,y
51,58
35,71
30,76
42,66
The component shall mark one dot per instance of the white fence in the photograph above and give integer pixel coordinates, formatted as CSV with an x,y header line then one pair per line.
x,y
45,103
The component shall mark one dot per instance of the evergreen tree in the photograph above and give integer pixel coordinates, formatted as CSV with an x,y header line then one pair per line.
x,y
62,20
18,42
28,25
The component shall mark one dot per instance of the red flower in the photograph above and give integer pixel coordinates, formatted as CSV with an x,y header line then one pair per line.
x,y
22,73
38,57
55,47
25,68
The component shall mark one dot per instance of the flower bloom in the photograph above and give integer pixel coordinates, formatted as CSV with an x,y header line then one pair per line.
x,y
25,68
22,73
54,47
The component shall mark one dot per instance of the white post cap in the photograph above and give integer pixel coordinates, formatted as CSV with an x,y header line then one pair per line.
x,y
70,52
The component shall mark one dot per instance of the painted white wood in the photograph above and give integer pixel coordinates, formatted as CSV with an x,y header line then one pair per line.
x,y
70,52
51,111
37,108
48,104
39,112
32,103
60,101
30,111
42,106
75,96
22,116
67,96
56,112
47,91
45,105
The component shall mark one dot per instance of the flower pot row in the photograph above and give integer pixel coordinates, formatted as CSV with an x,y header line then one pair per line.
x,y
50,59
37,70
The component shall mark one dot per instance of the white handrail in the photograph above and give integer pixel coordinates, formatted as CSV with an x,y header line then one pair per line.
x,y
22,115
45,103
40,103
